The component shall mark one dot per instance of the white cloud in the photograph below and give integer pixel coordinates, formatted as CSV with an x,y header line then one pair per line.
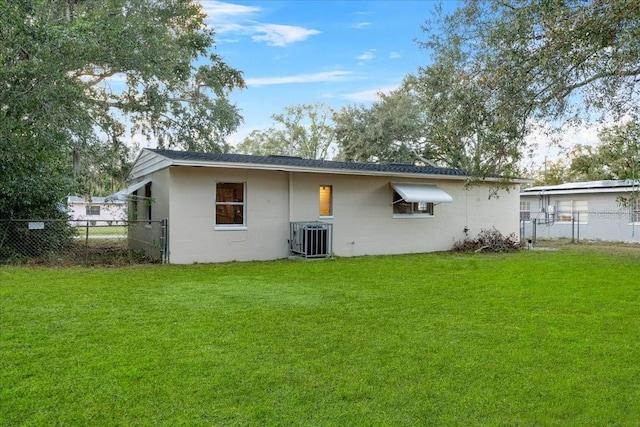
x,y
217,10
244,131
361,25
371,95
227,18
394,55
281,35
367,56
138,141
548,143
585,135
328,76
225,28
229,40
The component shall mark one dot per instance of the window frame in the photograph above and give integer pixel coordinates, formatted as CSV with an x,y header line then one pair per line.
x,y
571,213
414,207
243,203
330,214
525,214
89,210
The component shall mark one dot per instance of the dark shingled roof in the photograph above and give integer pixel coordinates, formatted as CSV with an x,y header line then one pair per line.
x,y
307,163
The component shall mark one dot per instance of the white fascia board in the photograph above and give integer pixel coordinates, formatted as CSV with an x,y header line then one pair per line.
x,y
301,169
579,191
157,161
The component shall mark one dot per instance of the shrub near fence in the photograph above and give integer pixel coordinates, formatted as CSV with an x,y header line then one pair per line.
x,y
81,242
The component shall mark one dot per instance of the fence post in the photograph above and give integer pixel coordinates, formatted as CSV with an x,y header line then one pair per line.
x,y
522,225
86,244
534,230
165,241
578,230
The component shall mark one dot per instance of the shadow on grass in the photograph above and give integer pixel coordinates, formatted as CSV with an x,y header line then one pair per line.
x,y
95,253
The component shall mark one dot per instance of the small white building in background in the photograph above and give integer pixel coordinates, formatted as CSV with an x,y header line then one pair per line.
x,y
231,207
98,211
592,210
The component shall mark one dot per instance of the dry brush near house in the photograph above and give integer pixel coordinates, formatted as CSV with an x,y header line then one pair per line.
x,y
489,241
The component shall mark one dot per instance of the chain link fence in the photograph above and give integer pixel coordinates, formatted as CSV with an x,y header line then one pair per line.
x,y
591,225
82,242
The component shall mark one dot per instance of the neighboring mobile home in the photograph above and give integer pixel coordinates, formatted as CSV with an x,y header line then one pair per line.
x,y
231,207
592,210
97,210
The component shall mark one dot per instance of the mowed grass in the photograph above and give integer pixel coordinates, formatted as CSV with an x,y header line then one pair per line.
x,y
101,230
528,339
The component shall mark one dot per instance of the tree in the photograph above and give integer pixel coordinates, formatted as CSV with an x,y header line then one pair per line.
x,y
101,167
553,173
554,59
302,130
74,72
390,131
616,157
435,118
466,125
498,67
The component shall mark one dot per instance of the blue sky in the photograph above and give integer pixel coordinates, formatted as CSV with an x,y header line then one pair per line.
x,y
334,52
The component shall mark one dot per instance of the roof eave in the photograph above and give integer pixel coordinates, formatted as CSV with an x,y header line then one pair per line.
x,y
169,162
579,191
302,169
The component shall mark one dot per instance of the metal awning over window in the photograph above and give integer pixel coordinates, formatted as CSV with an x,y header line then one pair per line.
x,y
415,193
122,194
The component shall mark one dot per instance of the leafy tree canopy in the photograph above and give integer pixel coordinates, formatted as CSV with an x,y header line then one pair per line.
x,y
554,172
432,119
304,130
497,68
73,71
616,157
389,131
553,59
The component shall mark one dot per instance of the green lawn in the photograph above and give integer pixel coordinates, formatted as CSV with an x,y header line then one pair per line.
x,y
99,230
529,339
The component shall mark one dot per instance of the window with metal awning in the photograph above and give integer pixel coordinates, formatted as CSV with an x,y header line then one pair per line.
x,y
417,199
428,193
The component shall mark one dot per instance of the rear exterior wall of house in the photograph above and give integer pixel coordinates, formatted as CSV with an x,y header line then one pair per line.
x,y
361,214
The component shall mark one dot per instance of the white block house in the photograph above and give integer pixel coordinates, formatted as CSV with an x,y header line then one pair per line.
x,y
231,207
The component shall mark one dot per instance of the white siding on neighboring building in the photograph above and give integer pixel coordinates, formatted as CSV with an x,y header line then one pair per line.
x,y
97,211
583,213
